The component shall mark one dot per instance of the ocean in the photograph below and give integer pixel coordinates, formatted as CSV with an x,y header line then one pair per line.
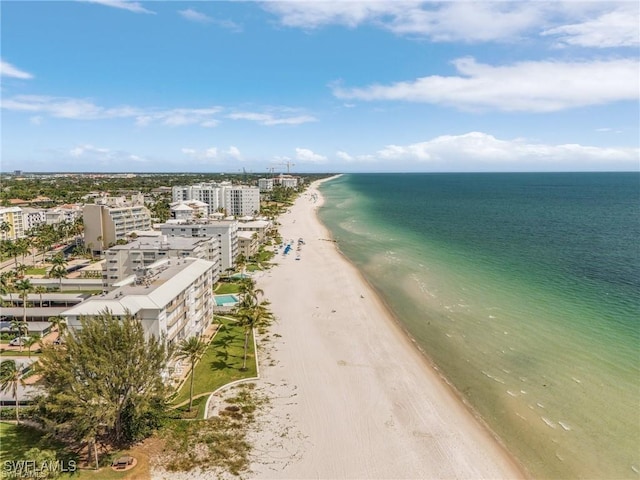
x,y
523,290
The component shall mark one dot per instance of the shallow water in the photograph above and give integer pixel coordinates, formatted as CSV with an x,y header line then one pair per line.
x,y
523,289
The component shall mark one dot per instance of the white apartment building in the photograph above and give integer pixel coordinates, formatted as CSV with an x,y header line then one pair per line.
x,y
14,218
122,261
238,200
104,226
33,217
265,184
287,181
210,193
261,227
248,244
242,200
189,210
225,231
173,300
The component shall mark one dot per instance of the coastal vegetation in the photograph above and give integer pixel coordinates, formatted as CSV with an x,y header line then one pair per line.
x,y
105,385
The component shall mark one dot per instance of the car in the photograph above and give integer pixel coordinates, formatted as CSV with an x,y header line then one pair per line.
x,y
18,341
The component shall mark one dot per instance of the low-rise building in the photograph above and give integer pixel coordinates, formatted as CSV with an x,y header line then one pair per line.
x,y
172,300
122,261
248,244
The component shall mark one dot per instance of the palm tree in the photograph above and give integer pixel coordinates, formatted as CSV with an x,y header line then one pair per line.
x,y
60,323
5,227
191,349
21,327
252,316
249,291
6,281
40,290
21,269
24,287
59,272
10,378
30,342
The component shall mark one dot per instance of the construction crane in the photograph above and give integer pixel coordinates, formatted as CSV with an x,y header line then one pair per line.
x,y
288,164
271,169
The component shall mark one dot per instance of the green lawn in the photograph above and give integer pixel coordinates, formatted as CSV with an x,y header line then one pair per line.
x,y
221,363
225,288
36,271
17,439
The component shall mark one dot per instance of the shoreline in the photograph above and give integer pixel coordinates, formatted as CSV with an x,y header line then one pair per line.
x,y
419,425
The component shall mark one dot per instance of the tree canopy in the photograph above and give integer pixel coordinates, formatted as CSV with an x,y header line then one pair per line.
x,y
106,383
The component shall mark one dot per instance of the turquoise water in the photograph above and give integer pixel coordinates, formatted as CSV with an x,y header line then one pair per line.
x,y
222,300
523,289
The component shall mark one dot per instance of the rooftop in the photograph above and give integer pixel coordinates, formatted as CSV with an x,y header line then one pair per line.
x,y
154,291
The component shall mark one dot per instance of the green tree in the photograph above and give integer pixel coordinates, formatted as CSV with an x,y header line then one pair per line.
x,y
60,323
59,272
10,378
252,314
191,349
5,227
22,328
40,290
46,462
30,342
24,287
107,373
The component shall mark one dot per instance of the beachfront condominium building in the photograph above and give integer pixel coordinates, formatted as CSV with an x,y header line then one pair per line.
x,y
12,220
104,225
248,244
172,300
236,200
286,181
225,231
210,193
123,261
241,200
260,227
265,184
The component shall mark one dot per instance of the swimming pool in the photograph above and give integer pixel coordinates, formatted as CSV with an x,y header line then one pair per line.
x,y
226,300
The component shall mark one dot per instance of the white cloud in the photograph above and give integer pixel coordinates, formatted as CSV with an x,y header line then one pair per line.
x,y
534,86
211,152
234,152
134,7
81,109
480,150
344,156
306,155
270,120
82,150
617,28
8,70
195,16
590,23
440,21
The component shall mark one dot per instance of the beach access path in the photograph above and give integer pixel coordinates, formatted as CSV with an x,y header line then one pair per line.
x,y
351,396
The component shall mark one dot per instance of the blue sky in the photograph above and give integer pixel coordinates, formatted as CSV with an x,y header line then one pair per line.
x,y
110,85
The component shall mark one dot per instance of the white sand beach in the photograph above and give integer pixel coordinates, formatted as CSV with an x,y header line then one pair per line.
x,y
351,397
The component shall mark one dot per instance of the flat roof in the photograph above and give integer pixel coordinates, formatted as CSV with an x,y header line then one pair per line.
x,y
163,243
156,293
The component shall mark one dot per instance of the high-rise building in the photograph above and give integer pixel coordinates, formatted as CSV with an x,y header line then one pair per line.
x,y
226,232
104,226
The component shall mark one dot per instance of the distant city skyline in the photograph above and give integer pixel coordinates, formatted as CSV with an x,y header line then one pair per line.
x,y
382,86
